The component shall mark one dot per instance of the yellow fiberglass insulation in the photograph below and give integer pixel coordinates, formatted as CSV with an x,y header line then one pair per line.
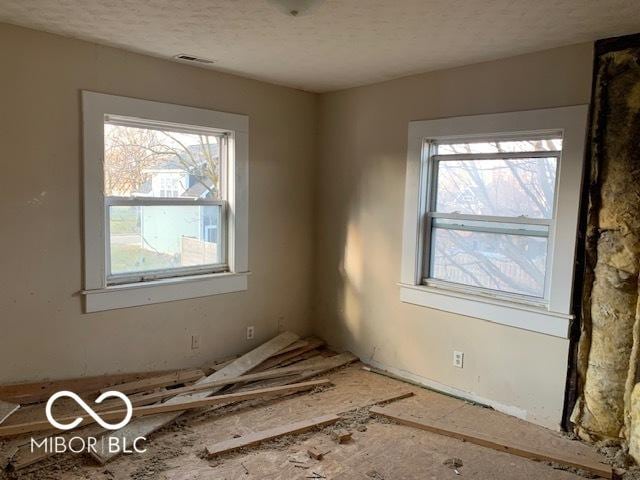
x,y
609,406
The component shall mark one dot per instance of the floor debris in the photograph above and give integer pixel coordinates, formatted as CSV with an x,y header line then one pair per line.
x,y
380,448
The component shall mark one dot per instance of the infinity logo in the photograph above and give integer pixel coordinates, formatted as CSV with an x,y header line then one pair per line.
x,y
89,410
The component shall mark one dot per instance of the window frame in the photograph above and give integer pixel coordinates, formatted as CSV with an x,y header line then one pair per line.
x,y
550,315
431,215
141,288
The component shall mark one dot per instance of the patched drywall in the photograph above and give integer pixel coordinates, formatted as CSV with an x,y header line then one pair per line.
x,y
360,199
43,330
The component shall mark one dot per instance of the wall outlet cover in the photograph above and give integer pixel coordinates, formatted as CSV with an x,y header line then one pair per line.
x,y
458,359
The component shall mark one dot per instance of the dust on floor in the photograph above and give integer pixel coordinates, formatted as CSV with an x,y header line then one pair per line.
x,y
378,449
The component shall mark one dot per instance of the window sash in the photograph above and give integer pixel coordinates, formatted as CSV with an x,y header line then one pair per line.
x,y
479,224
150,275
143,123
153,201
526,226
140,201
496,155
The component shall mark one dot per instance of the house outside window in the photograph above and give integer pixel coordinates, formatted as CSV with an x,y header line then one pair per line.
x,y
165,201
491,212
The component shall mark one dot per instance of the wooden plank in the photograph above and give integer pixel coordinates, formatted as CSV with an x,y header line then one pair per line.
x,y
216,365
25,456
251,377
211,367
143,427
293,346
34,392
314,453
501,445
289,356
342,435
316,366
393,398
150,383
42,425
259,437
6,409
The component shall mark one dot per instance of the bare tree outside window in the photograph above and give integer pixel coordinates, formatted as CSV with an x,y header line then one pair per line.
x,y
494,202
154,163
132,155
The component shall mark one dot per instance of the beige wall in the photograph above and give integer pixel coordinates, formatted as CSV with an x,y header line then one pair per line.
x,y
355,224
360,190
43,331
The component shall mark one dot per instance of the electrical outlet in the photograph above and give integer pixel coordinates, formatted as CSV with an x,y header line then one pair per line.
x,y
195,342
458,359
251,331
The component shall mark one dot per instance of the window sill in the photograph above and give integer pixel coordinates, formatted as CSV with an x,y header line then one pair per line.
x,y
519,315
164,290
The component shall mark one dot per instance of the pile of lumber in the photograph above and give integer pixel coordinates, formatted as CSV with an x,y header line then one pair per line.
x,y
282,366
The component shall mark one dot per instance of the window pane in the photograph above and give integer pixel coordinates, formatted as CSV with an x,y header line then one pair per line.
x,y
503,146
509,188
141,162
507,263
155,237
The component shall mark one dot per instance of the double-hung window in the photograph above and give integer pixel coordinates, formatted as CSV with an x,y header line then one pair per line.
x,y
491,211
165,201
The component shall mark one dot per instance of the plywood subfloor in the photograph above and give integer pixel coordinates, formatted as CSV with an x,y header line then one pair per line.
x,y
379,449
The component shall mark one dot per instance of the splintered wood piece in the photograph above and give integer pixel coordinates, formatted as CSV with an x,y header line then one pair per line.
x,y
143,427
501,445
34,392
315,453
342,435
270,434
165,407
150,383
314,367
6,409
293,346
251,377
290,356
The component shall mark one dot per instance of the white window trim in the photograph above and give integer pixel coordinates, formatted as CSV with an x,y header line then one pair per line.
x,y
98,295
552,317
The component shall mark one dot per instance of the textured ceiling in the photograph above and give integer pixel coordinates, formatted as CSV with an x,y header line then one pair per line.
x,y
339,43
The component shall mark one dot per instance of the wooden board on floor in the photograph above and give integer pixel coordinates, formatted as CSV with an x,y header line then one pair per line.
x,y
270,434
6,409
216,365
143,427
293,346
250,377
494,443
27,455
152,382
43,425
34,392
315,366
290,355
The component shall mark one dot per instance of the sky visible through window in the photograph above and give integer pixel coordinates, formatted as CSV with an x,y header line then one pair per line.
x,y
491,252
146,163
